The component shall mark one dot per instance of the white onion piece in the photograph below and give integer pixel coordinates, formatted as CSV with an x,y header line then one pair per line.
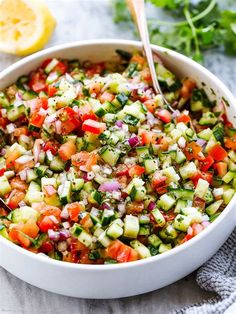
x,y
11,128
24,159
37,148
66,224
4,112
23,175
64,213
58,126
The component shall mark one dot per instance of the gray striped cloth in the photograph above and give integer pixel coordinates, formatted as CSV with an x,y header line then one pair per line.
x,y
217,275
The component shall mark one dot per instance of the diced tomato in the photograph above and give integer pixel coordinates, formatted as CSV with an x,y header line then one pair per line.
x,y
46,223
48,210
69,120
36,104
187,238
20,131
52,146
217,152
51,90
121,252
106,96
230,143
151,105
60,68
67,150
197,228
158,179
3,122
74,209
148,137
94,88
14,232
164,115
76,246
121,170
16,197
168,216
38,82
136,170
183,118
31,229
18,184
93,126
226,121
221,168
187,88
95,68
45,63
199,202
134,207
2,171
37,119
192,151
163,143
86,222
207,176
85,112
49,190
85,159
206,163
146,75
46,247
10,161
138,59
162,189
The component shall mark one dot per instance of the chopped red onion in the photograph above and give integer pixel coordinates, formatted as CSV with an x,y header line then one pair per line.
x,y
53,235
205,224
64,234
105,206
190,230
3,152
109,186
86,177
18,96
119,123
151,205
66,224
10,128
69,78
133,141
58,126
62,246
64,213
50,190
53,219
201,142
37,148
4,112
176,114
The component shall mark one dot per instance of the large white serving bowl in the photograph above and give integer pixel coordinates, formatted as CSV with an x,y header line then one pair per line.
x,y
120,280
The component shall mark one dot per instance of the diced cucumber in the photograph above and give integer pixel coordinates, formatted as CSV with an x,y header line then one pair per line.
x,y
171,174
144,219
166,202
107,216
205,134
77,184
138,193
95,197
5,187
229,176
131,226
23,214
65,196
53,200
97,107
188,170
3,231
4,102
150,165
154,240
15,113
169,232
208,118
34,195
159,218
164,247
201,188
185,194
180,157
51,65
114,231
213,208
48,181
104,239
182,222
110,155
31,175
140,248
180,204
228,195
82,235
57,165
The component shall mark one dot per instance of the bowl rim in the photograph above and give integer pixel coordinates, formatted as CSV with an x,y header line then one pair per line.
x,y
153,259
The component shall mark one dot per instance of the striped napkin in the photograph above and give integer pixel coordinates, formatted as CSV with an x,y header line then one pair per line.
x,y
217,275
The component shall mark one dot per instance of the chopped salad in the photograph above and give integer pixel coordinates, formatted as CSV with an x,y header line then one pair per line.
x,y
96,169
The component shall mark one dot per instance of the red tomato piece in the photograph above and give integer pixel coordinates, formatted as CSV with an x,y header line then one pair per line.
x,y
221,168
37,119
2,171
148,137
206,163
230,143
164,115
74,209
95,68
121,170
37,82
93,126
192,151
151,105
67,150
136,170
51,90
16,197
183,118
217,152
46,223
105,96
207,176
52,146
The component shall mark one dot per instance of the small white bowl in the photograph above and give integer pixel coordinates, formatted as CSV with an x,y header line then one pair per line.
x,y
120,280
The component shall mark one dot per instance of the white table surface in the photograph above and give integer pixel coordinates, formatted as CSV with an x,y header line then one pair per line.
x,y
90,19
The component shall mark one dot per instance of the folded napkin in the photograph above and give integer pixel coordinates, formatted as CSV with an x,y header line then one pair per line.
x,y
217,275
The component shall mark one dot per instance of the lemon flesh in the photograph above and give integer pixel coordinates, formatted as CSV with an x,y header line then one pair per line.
x,y
25,26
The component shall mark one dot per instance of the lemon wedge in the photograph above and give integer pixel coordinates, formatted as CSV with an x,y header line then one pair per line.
x,y
25,26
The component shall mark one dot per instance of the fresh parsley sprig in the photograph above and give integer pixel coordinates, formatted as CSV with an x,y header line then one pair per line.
x,y
197,26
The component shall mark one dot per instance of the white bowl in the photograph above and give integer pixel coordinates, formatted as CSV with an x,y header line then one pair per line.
x,y
120,280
